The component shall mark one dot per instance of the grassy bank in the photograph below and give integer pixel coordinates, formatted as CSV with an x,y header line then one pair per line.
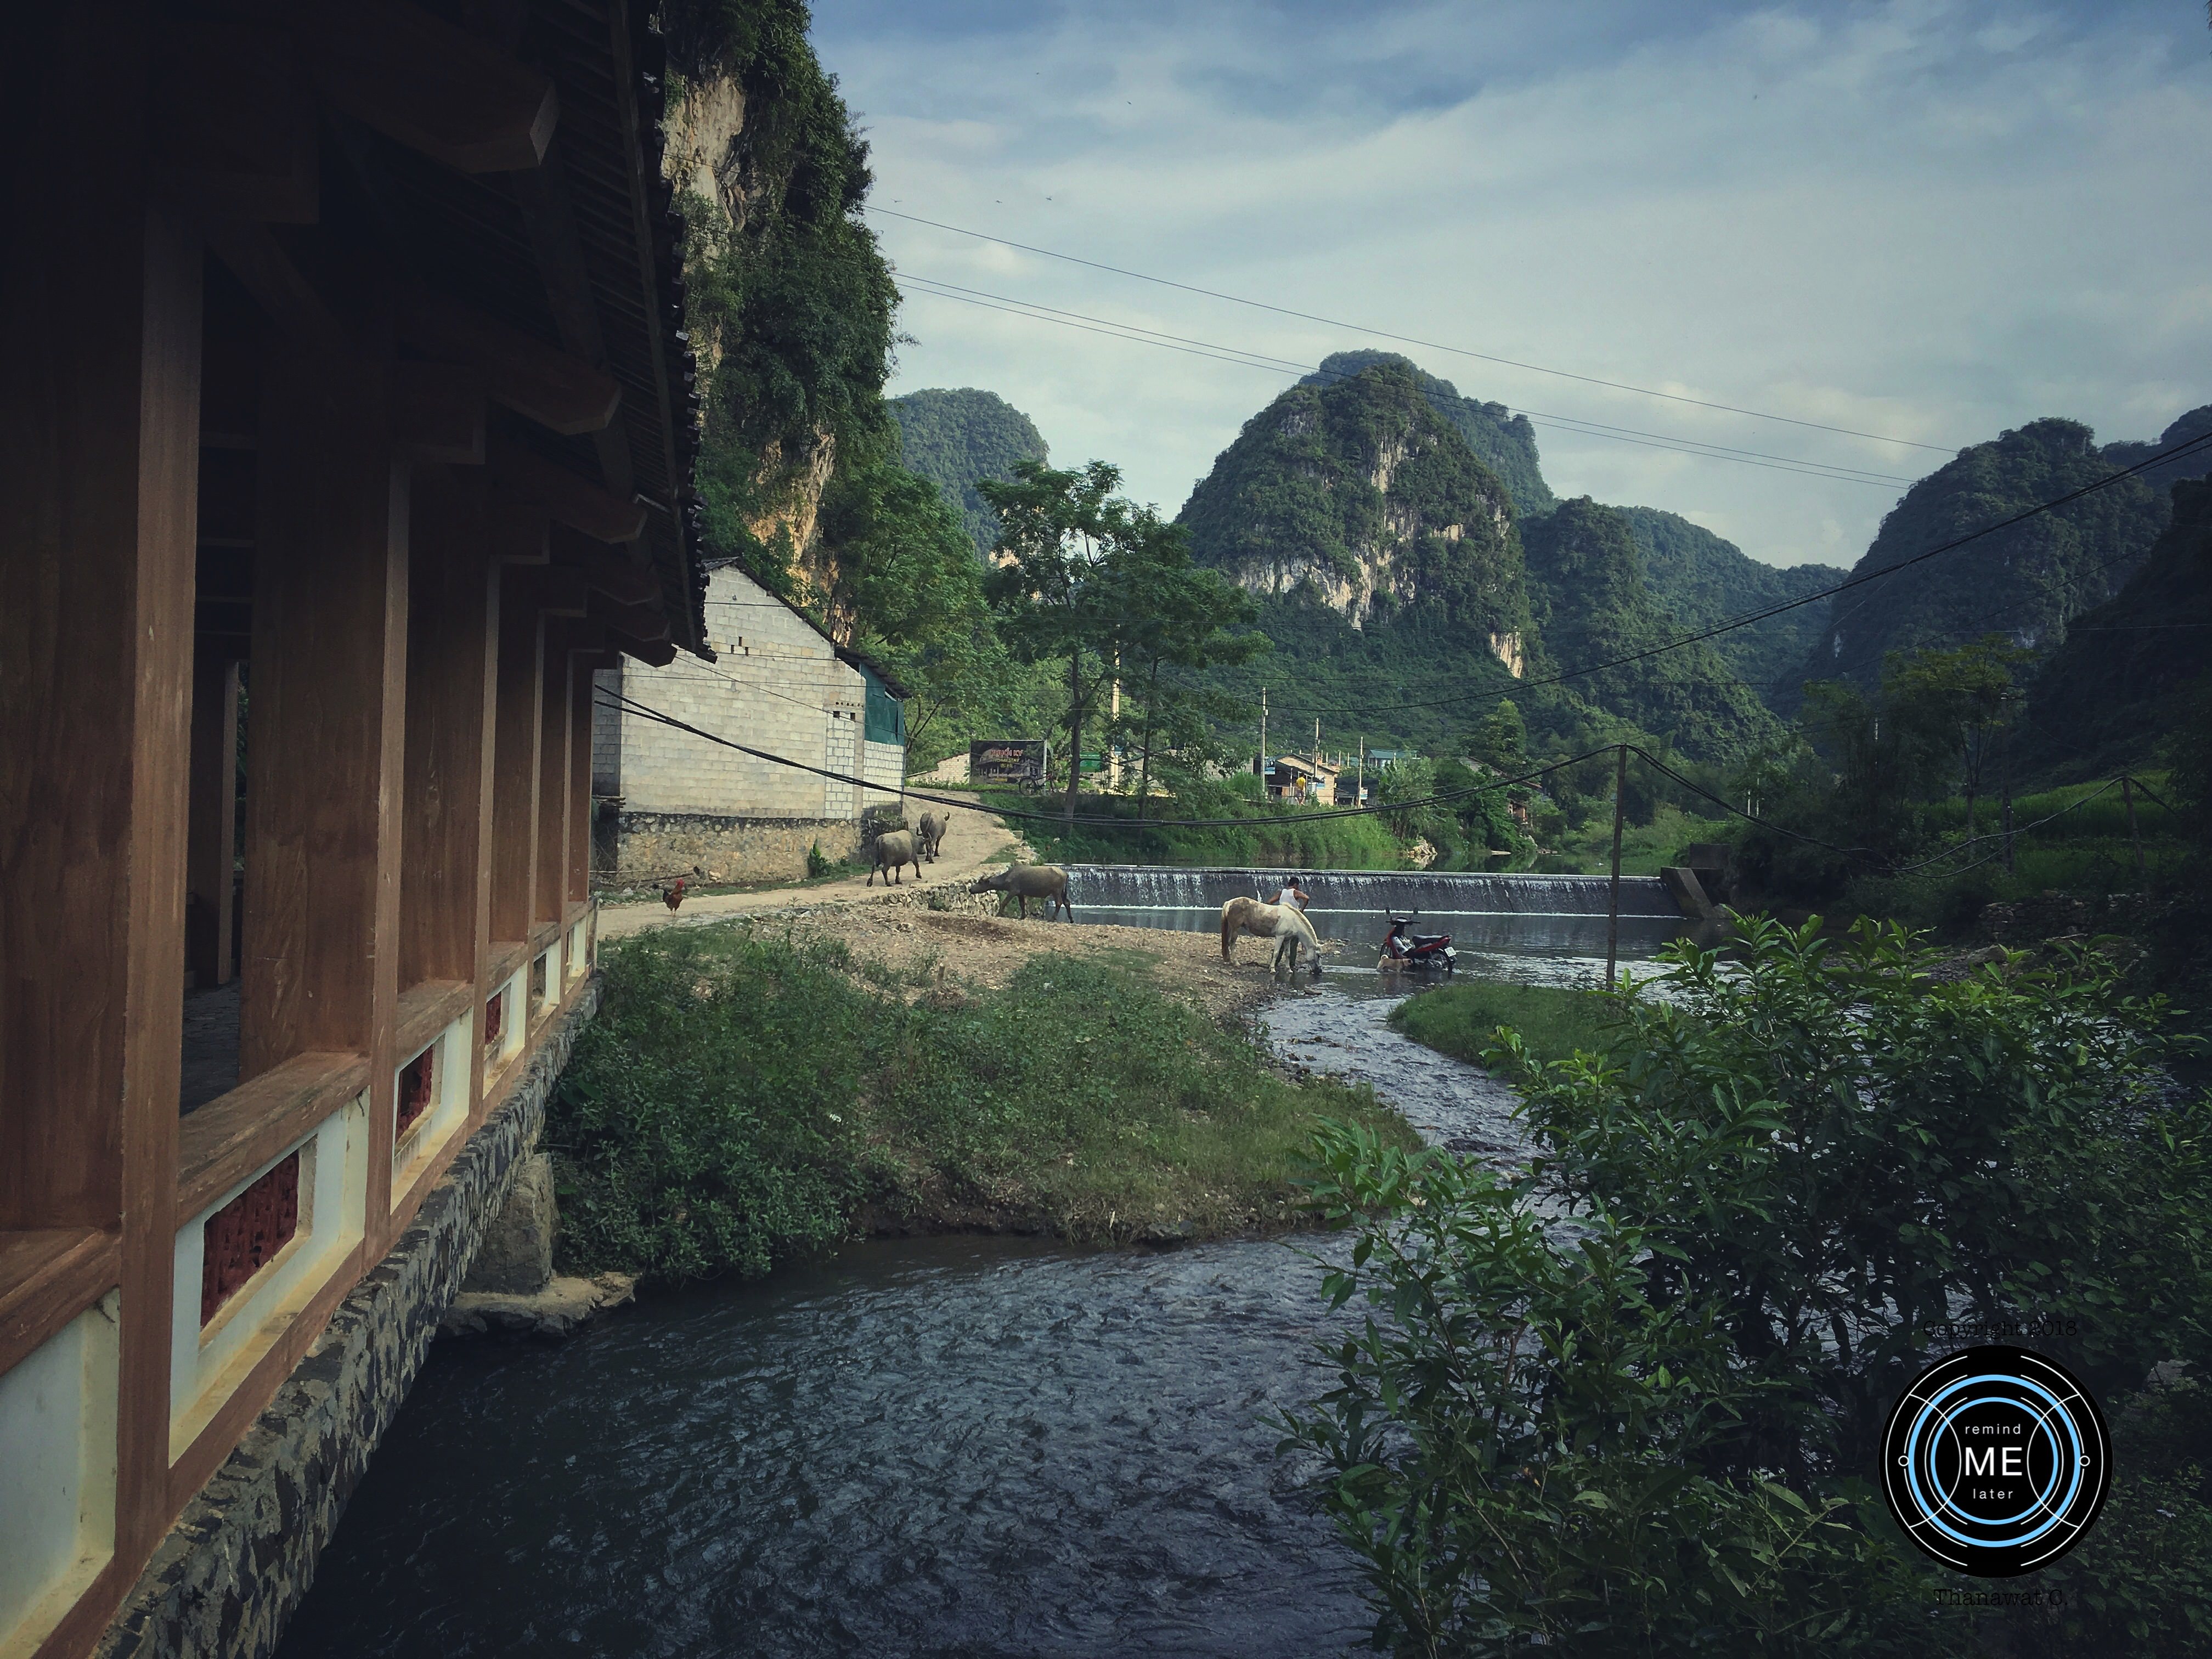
x,y
1458,1019
741,1099
1269,833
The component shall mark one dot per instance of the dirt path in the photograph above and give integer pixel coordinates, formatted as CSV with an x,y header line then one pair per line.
x,y
976,842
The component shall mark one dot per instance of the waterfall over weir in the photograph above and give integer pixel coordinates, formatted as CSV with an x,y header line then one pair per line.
x,y
1564,915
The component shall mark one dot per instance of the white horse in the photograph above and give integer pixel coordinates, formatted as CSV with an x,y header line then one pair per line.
x,y
1283,923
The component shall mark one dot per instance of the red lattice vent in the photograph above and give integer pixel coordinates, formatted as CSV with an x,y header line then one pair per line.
x,y
495,1019
244,1236
416,1083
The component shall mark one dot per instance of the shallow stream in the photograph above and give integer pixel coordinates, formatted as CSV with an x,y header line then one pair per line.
x,y
939,1447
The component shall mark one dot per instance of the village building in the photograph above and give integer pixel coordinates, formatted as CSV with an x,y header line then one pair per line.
x,y
347,436
671,801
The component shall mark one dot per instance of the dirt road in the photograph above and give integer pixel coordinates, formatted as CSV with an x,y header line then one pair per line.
x,y
976,842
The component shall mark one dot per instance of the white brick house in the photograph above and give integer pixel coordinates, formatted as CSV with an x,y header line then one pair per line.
x,y
669,800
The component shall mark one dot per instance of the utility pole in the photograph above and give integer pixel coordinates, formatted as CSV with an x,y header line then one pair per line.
x,y
1316,740
1359,789
2007,806
1263,742
1613,902
2128,795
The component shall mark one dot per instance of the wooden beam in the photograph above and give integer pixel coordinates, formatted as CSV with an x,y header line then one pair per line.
x,y
423,84
212,831
450,660
538,382
634,123
569,499
622,572
638,622
521,530
266,270
543,195
237,124
438,412
657,652
326,733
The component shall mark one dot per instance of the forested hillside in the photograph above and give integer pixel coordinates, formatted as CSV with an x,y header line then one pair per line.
x,y
1700,580
956,438
1504,442
2028,581
2129,668
1592,604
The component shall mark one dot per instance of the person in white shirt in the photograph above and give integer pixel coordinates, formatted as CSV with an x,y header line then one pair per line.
x,y
1293,894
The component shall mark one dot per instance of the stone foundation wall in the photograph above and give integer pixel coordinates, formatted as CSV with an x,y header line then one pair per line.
x,y
226,1579
660,846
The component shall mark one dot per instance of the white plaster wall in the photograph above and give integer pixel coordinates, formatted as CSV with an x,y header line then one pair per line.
x,y
449,1105
56,1474
206,1366
776,686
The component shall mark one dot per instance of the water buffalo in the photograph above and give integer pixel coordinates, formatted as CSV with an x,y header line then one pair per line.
x,y
1030,881
890,851
933,826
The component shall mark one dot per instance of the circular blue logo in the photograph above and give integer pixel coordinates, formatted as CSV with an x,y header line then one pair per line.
x,y
1996,1461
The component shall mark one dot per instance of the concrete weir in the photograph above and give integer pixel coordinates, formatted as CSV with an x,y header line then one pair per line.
x,y
226,1578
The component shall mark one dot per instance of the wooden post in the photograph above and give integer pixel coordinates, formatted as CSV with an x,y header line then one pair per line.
x,y
2128,795
450,659
581,665
99,387
326,767
552,881
212,827
1612,896
515,789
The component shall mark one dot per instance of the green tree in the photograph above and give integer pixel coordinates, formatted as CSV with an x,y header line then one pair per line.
x,y
1963,696
1057,529
907,588
1174,615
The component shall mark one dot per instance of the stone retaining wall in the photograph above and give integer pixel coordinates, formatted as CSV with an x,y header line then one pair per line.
x,y
226,1579
647,846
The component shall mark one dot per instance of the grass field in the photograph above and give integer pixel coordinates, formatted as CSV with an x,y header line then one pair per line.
x,y
741,1099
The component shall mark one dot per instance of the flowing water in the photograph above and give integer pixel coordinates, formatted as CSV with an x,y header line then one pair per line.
x,y
1545,915
939,1447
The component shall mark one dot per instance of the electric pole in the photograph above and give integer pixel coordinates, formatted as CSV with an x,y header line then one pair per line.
x,y
1613,901
1263,768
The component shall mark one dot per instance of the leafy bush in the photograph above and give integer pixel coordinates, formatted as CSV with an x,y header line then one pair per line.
x,y
1760,1203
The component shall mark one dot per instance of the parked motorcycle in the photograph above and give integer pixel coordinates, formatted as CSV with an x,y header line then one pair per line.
x,y
1401,950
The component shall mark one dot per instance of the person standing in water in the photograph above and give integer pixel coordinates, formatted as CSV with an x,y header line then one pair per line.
x,y
1294,895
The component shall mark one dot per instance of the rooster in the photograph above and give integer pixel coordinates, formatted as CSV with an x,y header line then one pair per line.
x,y
672,897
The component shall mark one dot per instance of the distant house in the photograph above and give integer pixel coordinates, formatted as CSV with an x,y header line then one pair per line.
x,y
1296,778
669,800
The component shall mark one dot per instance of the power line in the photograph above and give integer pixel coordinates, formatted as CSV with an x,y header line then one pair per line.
x,y
622,704
1749,617
1407,339
1246,359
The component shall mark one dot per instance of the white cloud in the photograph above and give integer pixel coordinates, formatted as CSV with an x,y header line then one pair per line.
x,y
1924,219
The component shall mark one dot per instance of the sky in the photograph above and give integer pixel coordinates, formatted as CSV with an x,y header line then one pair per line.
x,y
1922,221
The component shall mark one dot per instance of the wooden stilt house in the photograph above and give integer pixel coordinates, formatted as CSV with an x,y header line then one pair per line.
x,y
345,431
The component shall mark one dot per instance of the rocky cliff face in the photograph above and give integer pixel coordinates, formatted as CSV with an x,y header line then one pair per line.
x,y
1358,496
